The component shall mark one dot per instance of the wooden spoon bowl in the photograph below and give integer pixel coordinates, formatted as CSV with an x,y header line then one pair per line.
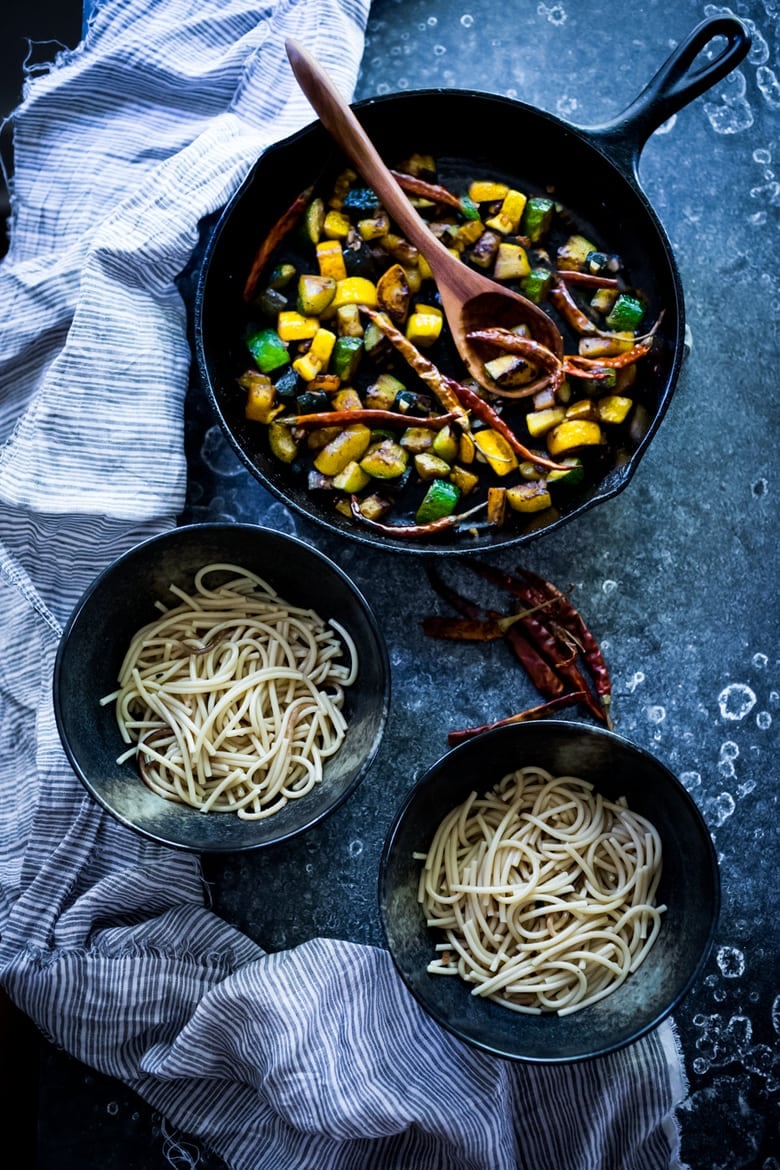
x,y
470,300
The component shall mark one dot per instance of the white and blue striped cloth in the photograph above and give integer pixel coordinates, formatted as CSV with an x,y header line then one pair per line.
x,y
315,1058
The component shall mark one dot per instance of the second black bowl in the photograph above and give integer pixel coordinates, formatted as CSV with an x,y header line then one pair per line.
x,y
122,600
689,888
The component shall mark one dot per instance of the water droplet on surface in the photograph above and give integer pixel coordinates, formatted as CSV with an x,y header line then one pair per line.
x,y
760,661
719,809
656,714
733,114
467,20
691,780
355,848
736,701
556,13
769,86
731,962
217,455
608,587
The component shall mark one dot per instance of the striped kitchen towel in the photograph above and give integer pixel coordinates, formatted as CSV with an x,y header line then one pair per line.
x,y
314,1058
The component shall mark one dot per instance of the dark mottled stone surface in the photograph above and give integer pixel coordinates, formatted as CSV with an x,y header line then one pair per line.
x,y
677,574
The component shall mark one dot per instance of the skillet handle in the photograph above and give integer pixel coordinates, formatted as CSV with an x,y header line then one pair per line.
x,y
675,85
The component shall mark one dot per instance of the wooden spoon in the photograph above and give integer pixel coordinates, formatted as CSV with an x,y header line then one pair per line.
x,y
470,301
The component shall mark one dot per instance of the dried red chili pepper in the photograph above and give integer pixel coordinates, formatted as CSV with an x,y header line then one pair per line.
x,y
462,629
283,225
592,279
615,362
539,712
564,302
484,411
525,347
412,530
342,418
573,622
545,678
433,191
560,650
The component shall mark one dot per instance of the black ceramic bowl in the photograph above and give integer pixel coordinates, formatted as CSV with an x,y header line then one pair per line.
x,y
689,888
122,599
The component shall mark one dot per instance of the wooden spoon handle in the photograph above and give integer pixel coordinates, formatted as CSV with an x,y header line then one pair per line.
x,y
340,122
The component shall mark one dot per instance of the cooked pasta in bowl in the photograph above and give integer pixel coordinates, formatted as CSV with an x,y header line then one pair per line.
x,y
549,891
221,687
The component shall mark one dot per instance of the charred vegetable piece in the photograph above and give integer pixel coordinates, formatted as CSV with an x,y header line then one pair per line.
x,y
511,262
361,199
314,294
268,350
312,402
346,356
314,219
293,326
487,191
350,444
537,218
261,402
441,499
385,460
614,408
424,325
528,497
626,313
570,473
469,208
271,301
283,445
507,218
496,451
281,276
573,433
392,293
351,478
355,290
536,284
574,253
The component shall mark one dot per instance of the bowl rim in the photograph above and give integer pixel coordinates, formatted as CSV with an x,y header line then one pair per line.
x,y
184,532
565,728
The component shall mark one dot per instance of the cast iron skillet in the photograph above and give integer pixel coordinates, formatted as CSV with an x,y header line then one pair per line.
x,y
593,173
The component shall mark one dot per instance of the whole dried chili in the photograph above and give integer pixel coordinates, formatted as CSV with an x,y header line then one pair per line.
x,y
433,191
539,712
556,644
525,347
573,622
283,225
591,279
412,530
462,629
484,411
546,679
442,387
614,362
331,418
564,302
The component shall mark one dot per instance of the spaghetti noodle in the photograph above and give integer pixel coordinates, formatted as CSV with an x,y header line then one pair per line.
x,y
545,892
233,698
